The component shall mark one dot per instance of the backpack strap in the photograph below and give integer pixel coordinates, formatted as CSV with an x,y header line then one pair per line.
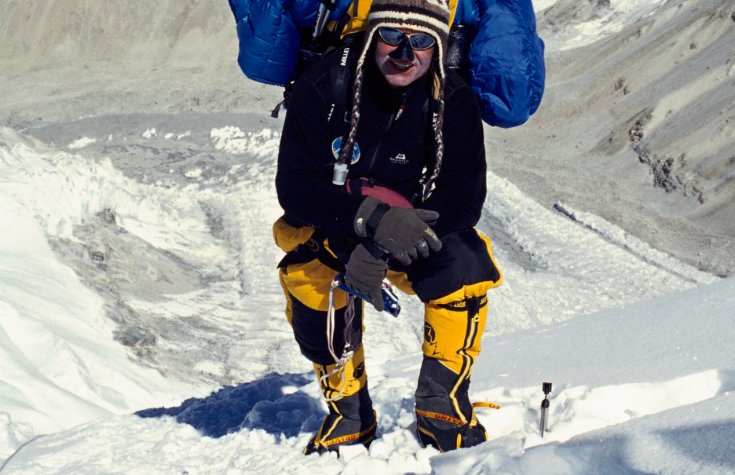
x,y
341,75
313,49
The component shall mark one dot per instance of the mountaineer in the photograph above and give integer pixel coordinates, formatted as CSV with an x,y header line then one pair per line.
x,y
391,184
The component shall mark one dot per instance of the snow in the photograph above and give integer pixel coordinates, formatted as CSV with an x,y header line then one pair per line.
x,y
149,133
80,143
650,359
605,17
142,327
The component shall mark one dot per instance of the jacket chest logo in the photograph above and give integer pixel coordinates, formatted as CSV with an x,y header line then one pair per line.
x,y
399,159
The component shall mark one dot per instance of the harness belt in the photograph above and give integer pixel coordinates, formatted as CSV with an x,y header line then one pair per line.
x,y
310,250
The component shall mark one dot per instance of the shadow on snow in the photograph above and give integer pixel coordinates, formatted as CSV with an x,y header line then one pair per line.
x,y
272,403
706,443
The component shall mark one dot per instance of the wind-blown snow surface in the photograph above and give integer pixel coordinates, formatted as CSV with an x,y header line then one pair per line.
x,y
137,275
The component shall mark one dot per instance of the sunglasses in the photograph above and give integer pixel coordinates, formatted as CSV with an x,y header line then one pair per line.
x,y
394,37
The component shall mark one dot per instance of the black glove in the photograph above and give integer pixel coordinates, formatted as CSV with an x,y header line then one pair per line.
x,y
364,273
402,232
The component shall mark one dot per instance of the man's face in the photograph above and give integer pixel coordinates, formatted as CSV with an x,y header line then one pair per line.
x,y
400,72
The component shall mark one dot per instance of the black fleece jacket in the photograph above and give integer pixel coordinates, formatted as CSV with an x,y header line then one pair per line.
x,y
393,151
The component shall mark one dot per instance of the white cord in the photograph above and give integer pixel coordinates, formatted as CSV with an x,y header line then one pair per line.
x,y
347,352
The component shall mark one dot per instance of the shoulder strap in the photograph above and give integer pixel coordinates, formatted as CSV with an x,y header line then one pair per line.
x,y
311,51
341,76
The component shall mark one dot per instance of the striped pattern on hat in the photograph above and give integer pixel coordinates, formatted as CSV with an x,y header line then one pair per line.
x,y
426,16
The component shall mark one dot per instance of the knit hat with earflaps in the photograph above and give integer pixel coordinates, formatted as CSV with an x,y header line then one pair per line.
x,y
425,16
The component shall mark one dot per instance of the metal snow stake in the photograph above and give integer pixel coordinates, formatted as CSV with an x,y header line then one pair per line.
x,y
546,388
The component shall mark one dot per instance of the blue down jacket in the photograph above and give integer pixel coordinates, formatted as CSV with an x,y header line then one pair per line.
x,y
506,56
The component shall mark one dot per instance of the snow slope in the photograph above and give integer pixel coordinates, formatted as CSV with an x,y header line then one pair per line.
x,y
557,269
137,271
